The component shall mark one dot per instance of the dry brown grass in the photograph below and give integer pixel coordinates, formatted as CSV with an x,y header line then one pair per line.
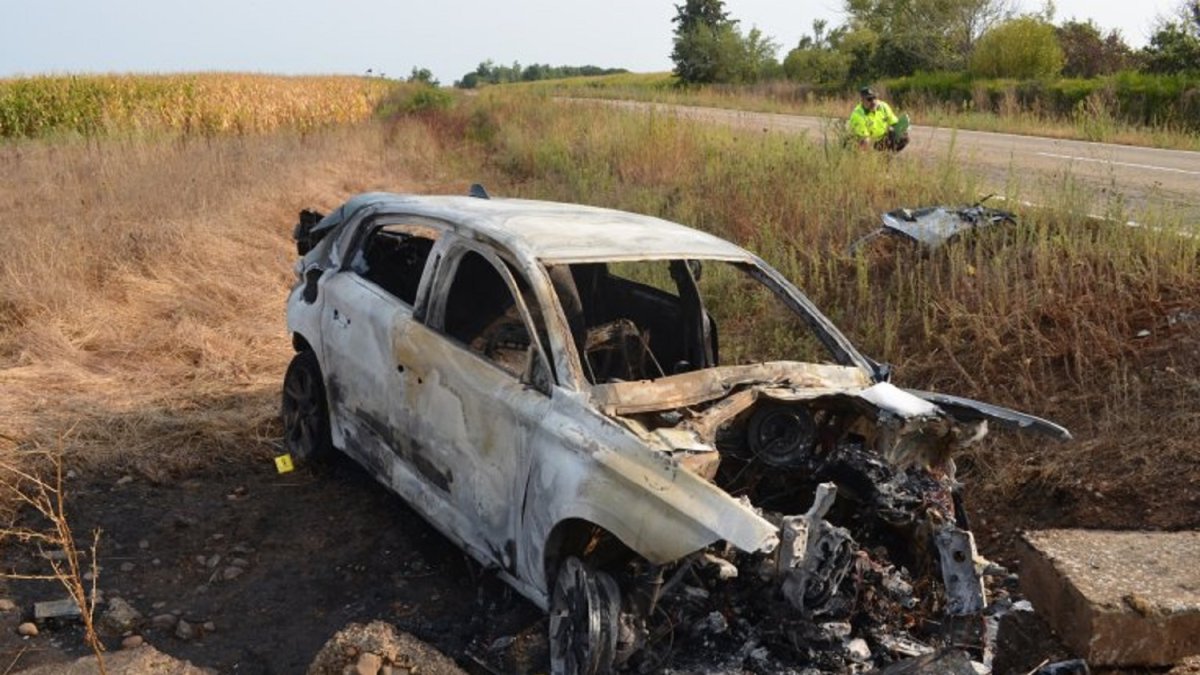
x,y
142,285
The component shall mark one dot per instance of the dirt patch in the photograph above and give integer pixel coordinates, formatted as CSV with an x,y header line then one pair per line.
x,y
319,550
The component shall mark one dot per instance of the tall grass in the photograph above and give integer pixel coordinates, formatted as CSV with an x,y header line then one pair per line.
x,y
202,104
1044,316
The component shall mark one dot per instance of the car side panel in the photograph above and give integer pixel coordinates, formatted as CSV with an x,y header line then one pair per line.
x,y
584,466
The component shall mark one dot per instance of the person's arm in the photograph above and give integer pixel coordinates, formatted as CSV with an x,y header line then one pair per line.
x,y
891,116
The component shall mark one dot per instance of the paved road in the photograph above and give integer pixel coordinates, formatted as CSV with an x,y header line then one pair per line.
x,y
1146,178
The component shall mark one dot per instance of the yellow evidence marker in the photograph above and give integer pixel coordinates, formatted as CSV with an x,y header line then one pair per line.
x,y
283,463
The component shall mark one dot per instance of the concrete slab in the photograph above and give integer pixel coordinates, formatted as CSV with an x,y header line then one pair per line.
x,y
1117,598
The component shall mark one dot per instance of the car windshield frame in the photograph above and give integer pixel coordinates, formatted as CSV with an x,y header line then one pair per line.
x,y
841,349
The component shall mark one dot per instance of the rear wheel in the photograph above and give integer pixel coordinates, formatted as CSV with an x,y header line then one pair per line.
x,y
305,410
584,612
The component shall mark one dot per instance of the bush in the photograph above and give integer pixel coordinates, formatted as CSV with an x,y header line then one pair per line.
x,y
1024,48
817,66
414,98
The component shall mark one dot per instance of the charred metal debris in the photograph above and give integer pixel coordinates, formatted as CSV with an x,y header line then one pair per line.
x,y
932,227
880,570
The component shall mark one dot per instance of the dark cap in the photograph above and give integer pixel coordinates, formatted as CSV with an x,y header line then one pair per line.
x,y
867,92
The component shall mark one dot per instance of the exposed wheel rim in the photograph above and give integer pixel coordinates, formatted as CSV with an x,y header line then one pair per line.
x,y
303,417
583,621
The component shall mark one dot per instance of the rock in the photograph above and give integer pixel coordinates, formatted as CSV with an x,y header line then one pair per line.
x,y
213,561
27,629
143,544
239,562
230,573
368,664
120,617
7,605
164,621
185,630
55,609
209,627
501,643
1117,598
1024,641
393,647
952,662
858,650
128,567
124,480
141,661
159,605
132,642
1188,666
713,624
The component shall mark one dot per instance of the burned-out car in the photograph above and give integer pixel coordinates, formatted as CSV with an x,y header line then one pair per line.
x,y
643,428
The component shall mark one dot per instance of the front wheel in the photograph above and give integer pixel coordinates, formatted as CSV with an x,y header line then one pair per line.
x,y
305,410
584,612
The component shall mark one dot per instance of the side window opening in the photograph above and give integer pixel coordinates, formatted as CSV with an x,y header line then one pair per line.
x,y
482,314
394,260
646,319
633,320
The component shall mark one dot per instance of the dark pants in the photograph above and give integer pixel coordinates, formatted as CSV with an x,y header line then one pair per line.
x,y
892,141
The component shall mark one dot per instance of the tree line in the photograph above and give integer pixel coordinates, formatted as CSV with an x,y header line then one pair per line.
x,y
898,38
491,73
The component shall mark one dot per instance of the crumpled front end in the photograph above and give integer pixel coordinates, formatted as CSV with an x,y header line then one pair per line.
x,y
875,562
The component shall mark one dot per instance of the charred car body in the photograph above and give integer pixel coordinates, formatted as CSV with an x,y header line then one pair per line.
x,y
593,404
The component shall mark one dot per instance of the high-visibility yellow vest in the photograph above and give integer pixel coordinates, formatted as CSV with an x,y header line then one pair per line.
x,y
872,125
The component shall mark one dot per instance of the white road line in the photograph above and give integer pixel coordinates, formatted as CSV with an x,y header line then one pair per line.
x,y
1107,161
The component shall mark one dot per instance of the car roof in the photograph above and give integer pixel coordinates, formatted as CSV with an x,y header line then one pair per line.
x,y
559,232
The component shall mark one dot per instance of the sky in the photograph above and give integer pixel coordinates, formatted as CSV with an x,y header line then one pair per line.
x,y
450,37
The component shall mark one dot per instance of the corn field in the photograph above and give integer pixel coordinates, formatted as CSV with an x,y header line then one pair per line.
x,y
197,104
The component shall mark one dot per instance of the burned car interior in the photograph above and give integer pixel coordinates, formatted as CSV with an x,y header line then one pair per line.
x,y
813,503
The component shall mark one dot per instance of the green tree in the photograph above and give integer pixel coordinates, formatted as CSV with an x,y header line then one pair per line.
x,y
1175,45
912,35
709,48
817,59
424,76
1089,53
705,40
1025,48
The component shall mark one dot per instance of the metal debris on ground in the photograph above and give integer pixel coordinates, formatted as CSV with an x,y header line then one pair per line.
x,y
932,227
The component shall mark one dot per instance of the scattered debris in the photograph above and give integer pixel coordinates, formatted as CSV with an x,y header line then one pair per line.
x,y
7,605
934,226
132,642
27,629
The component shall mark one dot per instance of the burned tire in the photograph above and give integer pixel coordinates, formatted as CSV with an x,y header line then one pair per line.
x,y
584,612
305,411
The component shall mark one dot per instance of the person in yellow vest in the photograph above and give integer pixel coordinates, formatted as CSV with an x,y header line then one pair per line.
x,y
874,124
